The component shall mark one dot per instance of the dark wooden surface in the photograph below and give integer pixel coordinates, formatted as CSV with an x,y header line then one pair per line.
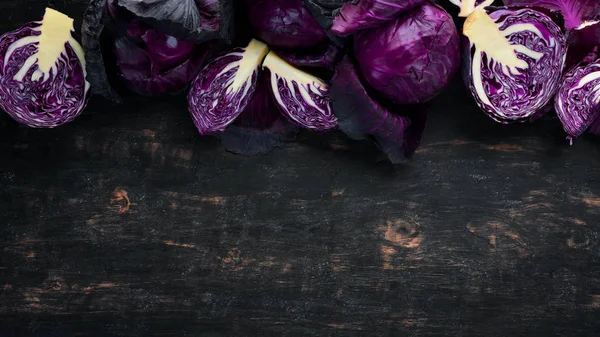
x,y
127,223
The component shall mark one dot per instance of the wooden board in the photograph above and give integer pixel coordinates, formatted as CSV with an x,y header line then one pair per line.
x,y
127,223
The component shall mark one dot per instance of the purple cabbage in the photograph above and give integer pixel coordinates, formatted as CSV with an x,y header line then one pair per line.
x,y
397,130
577,102
285,24
42,73
224,88
231,90
361,14
411,59
157,47
514,61
303,98
157,64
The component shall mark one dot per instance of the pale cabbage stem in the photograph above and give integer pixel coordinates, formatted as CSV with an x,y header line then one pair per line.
x,y
55,33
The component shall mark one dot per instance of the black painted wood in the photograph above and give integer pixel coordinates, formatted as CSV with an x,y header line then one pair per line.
x,y
127,223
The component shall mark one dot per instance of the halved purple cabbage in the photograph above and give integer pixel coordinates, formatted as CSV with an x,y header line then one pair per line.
x,y
575,12
260,127
224,87
514,61
469,6
285,24
361,14
232,90
42,72
411,59
303,98
577,102
157,46
397,132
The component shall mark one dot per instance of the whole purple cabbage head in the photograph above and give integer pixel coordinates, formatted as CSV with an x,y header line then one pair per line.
x,y
514,61
156,47
285,24
411,59
361,14
226,87
577,101
42,73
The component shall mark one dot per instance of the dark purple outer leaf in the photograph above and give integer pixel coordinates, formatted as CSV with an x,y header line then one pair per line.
x,y
212,107
575,12
328,59
595,127
511,97
285,24
361,117
91,29
412,59
577,102
40,103
324,11
582,42
362,14
261,127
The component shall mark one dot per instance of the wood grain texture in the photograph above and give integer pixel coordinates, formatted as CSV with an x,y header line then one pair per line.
x,y
127,223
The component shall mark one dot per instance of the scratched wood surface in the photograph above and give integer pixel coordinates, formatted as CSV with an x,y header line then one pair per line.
x,y
127,223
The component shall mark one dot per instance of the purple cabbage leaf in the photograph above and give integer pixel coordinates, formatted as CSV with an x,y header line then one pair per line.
x,y
42,72
514,61
362,117
582,41
411,59
361,14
